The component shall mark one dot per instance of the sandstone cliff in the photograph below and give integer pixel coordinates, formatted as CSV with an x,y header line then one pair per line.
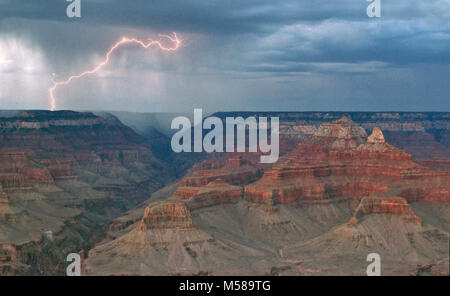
x,y
351,168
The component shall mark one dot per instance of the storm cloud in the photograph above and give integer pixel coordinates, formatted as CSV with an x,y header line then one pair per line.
x,y
236,55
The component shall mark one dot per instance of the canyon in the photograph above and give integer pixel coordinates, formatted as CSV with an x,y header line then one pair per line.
x,y
69,174
339,194
346,184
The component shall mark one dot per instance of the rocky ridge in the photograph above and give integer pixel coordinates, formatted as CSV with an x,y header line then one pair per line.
x,y
338,177
66,173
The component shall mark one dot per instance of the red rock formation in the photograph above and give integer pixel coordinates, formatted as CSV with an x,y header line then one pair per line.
x,y
342,133
44,146
233,170
376,137
440,164
385,205
39,148
166,215
337,165
215,193
214,181
426,194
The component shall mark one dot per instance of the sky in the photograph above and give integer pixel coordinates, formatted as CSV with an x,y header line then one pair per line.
x,y
272,55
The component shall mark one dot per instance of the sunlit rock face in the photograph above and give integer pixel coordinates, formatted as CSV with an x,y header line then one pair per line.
x,y
342,133
217,181
340,163
376,137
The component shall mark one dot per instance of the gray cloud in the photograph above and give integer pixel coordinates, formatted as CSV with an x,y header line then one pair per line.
x,y
254,54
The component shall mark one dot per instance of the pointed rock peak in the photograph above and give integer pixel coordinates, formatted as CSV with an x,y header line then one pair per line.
x,y
376,137
343,128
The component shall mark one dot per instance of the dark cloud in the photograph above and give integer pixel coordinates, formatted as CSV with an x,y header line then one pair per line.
x,y
237,54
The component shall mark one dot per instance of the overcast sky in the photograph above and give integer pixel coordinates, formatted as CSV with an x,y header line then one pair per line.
x,y
296,55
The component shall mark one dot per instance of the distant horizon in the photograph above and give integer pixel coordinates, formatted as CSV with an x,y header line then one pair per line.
x,y
231,111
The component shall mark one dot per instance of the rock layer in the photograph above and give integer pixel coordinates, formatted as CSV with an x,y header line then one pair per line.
x,y
68,173
166,215
333,197
324,170
382,205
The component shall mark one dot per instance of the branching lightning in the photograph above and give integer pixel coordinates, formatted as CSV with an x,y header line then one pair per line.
x,y
176,43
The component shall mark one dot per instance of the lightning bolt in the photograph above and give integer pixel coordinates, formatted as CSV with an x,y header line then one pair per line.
x,y
125,40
